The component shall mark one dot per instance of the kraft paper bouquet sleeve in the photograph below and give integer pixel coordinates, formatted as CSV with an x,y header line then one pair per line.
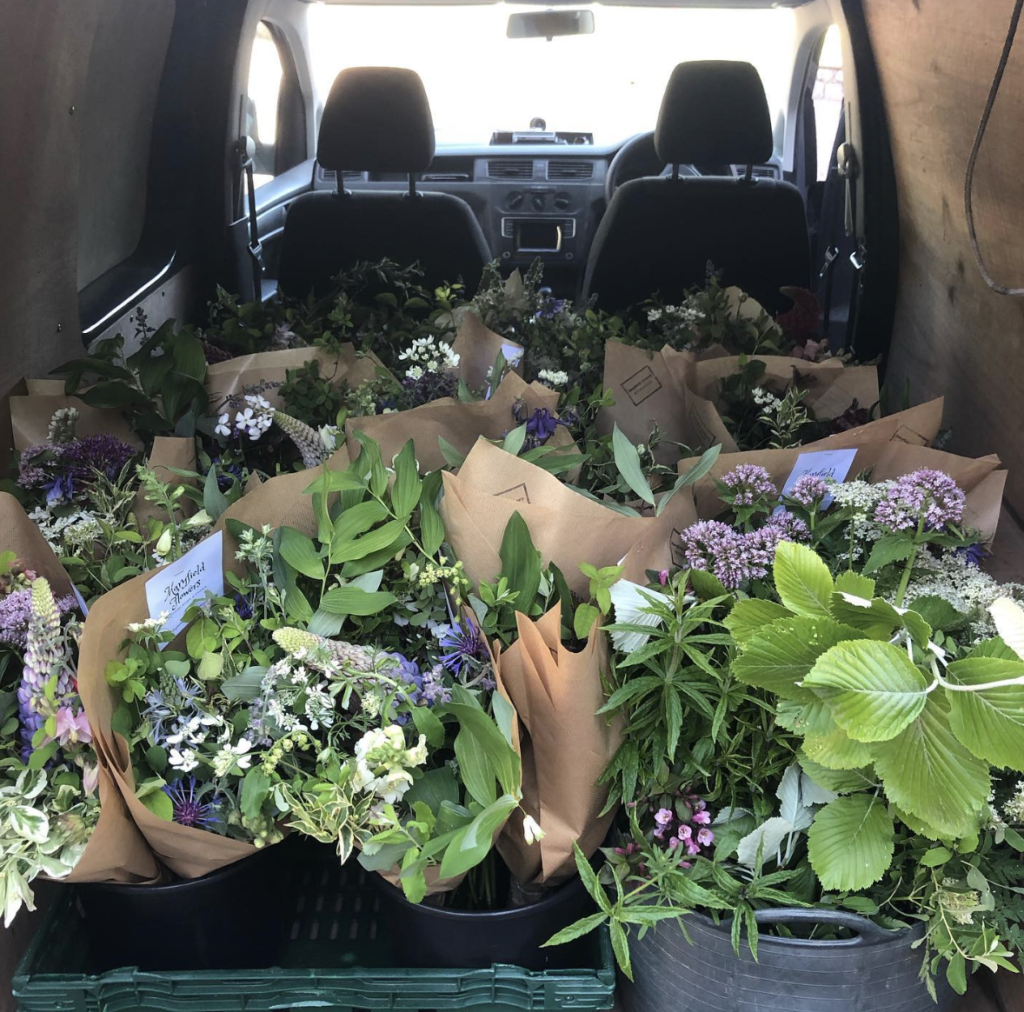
x,y
916,427
651,388
565,748
477,347
31,413
116,851
230,378
567,528
460,424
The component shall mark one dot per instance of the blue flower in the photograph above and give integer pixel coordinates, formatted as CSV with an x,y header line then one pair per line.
x,y
462,646
243,606
973,554
188,808
60,489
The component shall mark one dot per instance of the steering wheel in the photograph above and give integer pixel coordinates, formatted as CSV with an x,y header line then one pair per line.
x,y
637,158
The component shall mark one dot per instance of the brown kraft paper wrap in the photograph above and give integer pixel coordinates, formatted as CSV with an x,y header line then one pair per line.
x,y
31,414
565,747
116,851
566,527
916,426
230,378
477,347
650,388
460,424
831,388
167,452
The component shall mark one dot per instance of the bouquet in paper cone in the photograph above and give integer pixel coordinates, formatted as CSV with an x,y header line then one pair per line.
x,y
60,814
762,764
305,696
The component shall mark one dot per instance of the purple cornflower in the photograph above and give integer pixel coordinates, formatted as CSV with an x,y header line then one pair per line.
x,y
748,483
716,548
809,490
188,809
243,606
926,495
551,306
463,646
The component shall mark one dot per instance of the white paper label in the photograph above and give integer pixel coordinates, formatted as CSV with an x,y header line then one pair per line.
x,y
181,583
834,464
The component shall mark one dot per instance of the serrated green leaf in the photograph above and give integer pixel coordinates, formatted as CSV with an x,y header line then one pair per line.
x,y
802,580
850,844
929,774
885,551
990,722
872,689
751,615
849,582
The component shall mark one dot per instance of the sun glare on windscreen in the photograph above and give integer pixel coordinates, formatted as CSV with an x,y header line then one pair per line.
x,y
609,83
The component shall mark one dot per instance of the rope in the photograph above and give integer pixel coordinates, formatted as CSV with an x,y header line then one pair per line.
x,y
969,178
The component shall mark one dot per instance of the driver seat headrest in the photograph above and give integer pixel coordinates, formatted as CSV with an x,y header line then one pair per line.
x,y
376,119
714,113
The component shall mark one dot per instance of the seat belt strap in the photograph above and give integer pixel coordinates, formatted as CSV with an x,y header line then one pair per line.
x,y
246,150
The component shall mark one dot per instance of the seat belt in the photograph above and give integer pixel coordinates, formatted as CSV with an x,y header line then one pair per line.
x,y
849,169
247,152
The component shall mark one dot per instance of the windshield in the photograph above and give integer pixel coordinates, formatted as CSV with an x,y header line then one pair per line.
x,y
608,84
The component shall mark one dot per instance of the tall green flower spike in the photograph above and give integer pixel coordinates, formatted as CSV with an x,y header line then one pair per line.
x,y
323,654
305,438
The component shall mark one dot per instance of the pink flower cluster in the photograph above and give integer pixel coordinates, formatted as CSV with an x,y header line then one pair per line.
x,y
809,490
926,494
734,557
684,827
748,483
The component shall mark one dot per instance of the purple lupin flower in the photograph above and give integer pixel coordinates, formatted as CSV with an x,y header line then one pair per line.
x,y
925,495
188,809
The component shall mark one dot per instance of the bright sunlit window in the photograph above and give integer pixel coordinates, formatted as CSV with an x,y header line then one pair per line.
x,y
609,83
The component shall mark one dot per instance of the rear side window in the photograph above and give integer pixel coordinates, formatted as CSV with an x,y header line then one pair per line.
x,y
266,72
828,98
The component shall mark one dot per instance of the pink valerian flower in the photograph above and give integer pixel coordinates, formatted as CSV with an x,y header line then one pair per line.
x,y
733,557
748,483
925,495
809,490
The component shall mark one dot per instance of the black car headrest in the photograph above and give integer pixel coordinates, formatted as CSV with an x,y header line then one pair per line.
x,y
377,119
714,112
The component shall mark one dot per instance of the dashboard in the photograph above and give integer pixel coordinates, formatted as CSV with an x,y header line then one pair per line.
x,y
532,200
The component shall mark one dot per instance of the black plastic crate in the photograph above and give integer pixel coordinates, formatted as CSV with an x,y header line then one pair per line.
x,y
334,958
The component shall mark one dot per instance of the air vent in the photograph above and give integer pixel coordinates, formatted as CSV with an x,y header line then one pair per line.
x,y
331,175
445,177
765,172
570,170
511,168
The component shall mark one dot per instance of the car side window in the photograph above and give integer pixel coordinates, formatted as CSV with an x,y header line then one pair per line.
x,y
828,98
266,74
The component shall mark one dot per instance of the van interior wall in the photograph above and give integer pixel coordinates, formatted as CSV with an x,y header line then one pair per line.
x,y
953,335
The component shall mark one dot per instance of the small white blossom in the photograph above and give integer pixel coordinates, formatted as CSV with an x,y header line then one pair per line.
x,y
553,377
531,830
222,428
184,760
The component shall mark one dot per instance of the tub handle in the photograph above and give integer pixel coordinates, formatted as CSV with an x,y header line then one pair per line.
x,y
866,931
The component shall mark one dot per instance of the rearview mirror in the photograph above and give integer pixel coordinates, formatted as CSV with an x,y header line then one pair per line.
x,y
548,24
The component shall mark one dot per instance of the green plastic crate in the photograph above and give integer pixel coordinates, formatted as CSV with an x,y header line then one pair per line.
x,y
334,959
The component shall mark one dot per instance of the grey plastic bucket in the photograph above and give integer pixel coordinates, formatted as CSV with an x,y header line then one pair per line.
x,y
876,970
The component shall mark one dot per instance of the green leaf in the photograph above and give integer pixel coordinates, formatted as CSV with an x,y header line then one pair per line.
x,y
513,442
936,856
255,788
30,823
873,689
751,615
590,880
577,930
520,562
41,756
471,845
434,788
690,476
584,619
825,742
357,520
850,843
158,803
620,946
355,601
214,501
407,488
301,554
939,613
706,585
837,781
428,724
956,973
244,687
627,462
451,455
928,773
849,582
375,541
990,722
885,551
802,580
782,654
